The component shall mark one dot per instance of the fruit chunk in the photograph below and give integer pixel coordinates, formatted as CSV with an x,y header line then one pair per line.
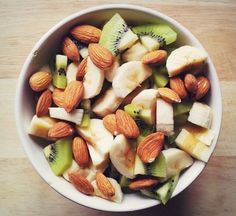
x,y
150,43
160,77
39,81
86,105
182,108
71,72
59,75
59,155
158,168
73,168
139,167
111,72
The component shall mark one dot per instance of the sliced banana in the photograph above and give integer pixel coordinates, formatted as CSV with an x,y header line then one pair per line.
x,y
71,72
111,72
127,40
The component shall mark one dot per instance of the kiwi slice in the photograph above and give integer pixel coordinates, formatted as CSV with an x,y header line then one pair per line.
x,y
160,78
86,106
59,75
158,167
182,108
59,155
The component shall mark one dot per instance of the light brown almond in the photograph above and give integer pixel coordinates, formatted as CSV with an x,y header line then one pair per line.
x,y
190,83
86,33
80,152
154,57
126,125
81,183
81,69
203,87
44,102
58,97
70,49
104,185
73,94
60,130
177,85
100,56
143,183
109,122
39,81
169,95
150,147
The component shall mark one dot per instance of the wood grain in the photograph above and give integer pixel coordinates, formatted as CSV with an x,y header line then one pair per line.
x,y
22,23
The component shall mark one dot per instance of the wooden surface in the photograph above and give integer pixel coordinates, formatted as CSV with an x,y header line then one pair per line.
x,y
23,192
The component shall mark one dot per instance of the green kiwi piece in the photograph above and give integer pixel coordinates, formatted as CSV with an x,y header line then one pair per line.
x,y
139,166
86,105
160,78
59,75
124,181
182,108
158,167
149,193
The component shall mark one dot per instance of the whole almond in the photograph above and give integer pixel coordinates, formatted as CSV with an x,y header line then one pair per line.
x,y
169,95
104,185
126,125
81,183
150,147
81,69
39,81
154,57
109,122
70,49
60,130
80,152
58,97
86,33
100,56
143,183
190,83
203,87
73,94
44,102
177,85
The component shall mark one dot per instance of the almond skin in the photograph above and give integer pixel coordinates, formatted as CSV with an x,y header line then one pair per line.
x,y
39,81
70,49
73,94
154,57
58,97
150,147
177,85
104,185
203,87
44,102
190,83
169,95
80,152
109,122
86,33
81,183
126,125
60,130
143,183
81,69
100,56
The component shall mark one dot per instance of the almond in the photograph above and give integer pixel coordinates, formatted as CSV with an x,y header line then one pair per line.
x,y
109,122
81,183
39,81
44,102
177,85
154,57
126,125
143,183
73,94
81,69
58,97
203,87
150,147
80,152
70,49
104,185
60,130
190,83
86,33
169,95
100,56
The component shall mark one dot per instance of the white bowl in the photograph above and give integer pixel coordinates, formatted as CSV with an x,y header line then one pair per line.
x,y
41,54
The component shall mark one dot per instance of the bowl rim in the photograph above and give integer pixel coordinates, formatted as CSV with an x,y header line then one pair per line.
x,y
19,90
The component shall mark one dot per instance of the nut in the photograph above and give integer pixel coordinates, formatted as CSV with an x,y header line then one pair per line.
x,y
104,185
73,94
60,130
190,83
44,102
169,95
39,81
177,85
109,122
58,97
100,56
126,125
81,69
203,87
150,147
142,183
154,57
81,183
80,152
86,33
70,49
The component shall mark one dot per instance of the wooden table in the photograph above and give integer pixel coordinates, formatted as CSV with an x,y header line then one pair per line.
x,y
23,192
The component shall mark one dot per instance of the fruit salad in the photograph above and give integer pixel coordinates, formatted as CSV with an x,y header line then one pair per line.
x,y
124,108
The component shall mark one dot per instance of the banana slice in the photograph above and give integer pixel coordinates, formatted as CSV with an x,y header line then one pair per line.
x,y
93,80
122,156
107,103
129,76
71,72
118,197
111,72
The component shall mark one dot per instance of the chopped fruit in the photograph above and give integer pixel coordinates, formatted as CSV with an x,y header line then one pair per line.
x,y
111,72
150,43
182,108
59,75
158,167
160,79
86,105
139,166
124,181
71,72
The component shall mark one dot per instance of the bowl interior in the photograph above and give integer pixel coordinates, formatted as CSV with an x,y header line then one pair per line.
x,y
48,45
